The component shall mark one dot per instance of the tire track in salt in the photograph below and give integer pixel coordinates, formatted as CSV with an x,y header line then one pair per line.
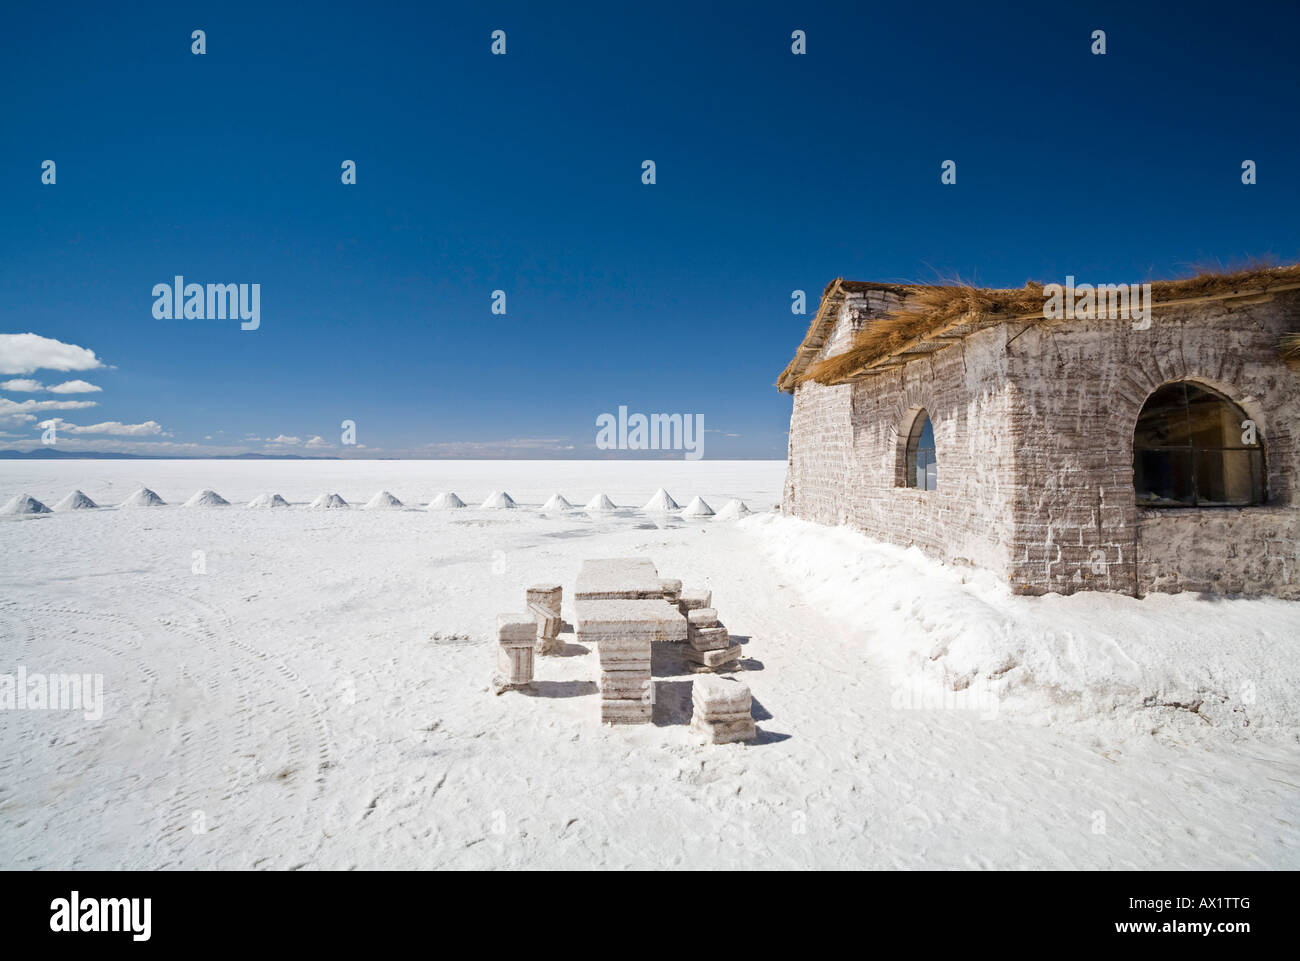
x,y
305,697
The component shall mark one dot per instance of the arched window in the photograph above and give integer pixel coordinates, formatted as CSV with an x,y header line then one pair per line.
x,y
921,467
1192,449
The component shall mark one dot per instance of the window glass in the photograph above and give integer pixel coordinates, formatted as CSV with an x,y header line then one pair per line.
x,y
923,469
1188,451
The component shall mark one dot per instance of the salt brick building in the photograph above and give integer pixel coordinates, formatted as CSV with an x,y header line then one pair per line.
x,y
1063,455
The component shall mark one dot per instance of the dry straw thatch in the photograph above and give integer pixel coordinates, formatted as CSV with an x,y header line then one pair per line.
x,y
1291,348
954,309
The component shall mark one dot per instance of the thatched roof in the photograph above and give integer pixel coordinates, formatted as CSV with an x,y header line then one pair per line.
x,y
931,318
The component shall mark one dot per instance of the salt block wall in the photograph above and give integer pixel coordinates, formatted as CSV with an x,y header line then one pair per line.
x,y
1034,442
848,444
968,519
1079,390
820,468
820,471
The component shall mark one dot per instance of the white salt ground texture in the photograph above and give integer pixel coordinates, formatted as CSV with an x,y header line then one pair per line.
x,y
23,504
320,694
75,501
445,501
207,498
383,501
697,508
267,501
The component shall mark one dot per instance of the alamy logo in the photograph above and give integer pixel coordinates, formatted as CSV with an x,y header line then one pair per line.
x,y
653,432
181,301
1101,302
53,692
96,915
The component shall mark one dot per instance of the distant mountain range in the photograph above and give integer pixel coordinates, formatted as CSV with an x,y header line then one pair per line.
x,y
101,455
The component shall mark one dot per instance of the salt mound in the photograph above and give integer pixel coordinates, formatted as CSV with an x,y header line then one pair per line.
x,y
697,508
557,503
267,501
445,502
498,500
76,501
600,503
144,497
24,504
328,502
662,503
383,501
734,511
207,498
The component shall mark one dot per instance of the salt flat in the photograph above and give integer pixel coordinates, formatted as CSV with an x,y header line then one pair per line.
x,y
318,696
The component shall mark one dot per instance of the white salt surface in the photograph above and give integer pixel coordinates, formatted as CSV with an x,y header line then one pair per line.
x,y
319,695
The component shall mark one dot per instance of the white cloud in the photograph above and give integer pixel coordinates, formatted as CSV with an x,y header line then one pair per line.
x,y
74,387
318,441
8,406
25,353
21,412
111,427
26,385
282,439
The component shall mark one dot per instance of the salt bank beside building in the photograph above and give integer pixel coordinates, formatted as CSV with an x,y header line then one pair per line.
x,y
1087,453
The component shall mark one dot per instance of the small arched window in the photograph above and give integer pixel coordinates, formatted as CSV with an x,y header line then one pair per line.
x,y
921,467
1193,447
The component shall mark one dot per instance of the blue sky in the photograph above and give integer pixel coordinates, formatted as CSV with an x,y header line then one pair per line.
x,y
522,172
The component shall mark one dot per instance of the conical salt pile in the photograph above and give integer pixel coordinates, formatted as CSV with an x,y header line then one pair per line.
x,y
600,503
144,497
76,501
734,511
445,502
697,508
24,504
557,503
498,500
383,501
328,502
207,498
662,503
267,502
